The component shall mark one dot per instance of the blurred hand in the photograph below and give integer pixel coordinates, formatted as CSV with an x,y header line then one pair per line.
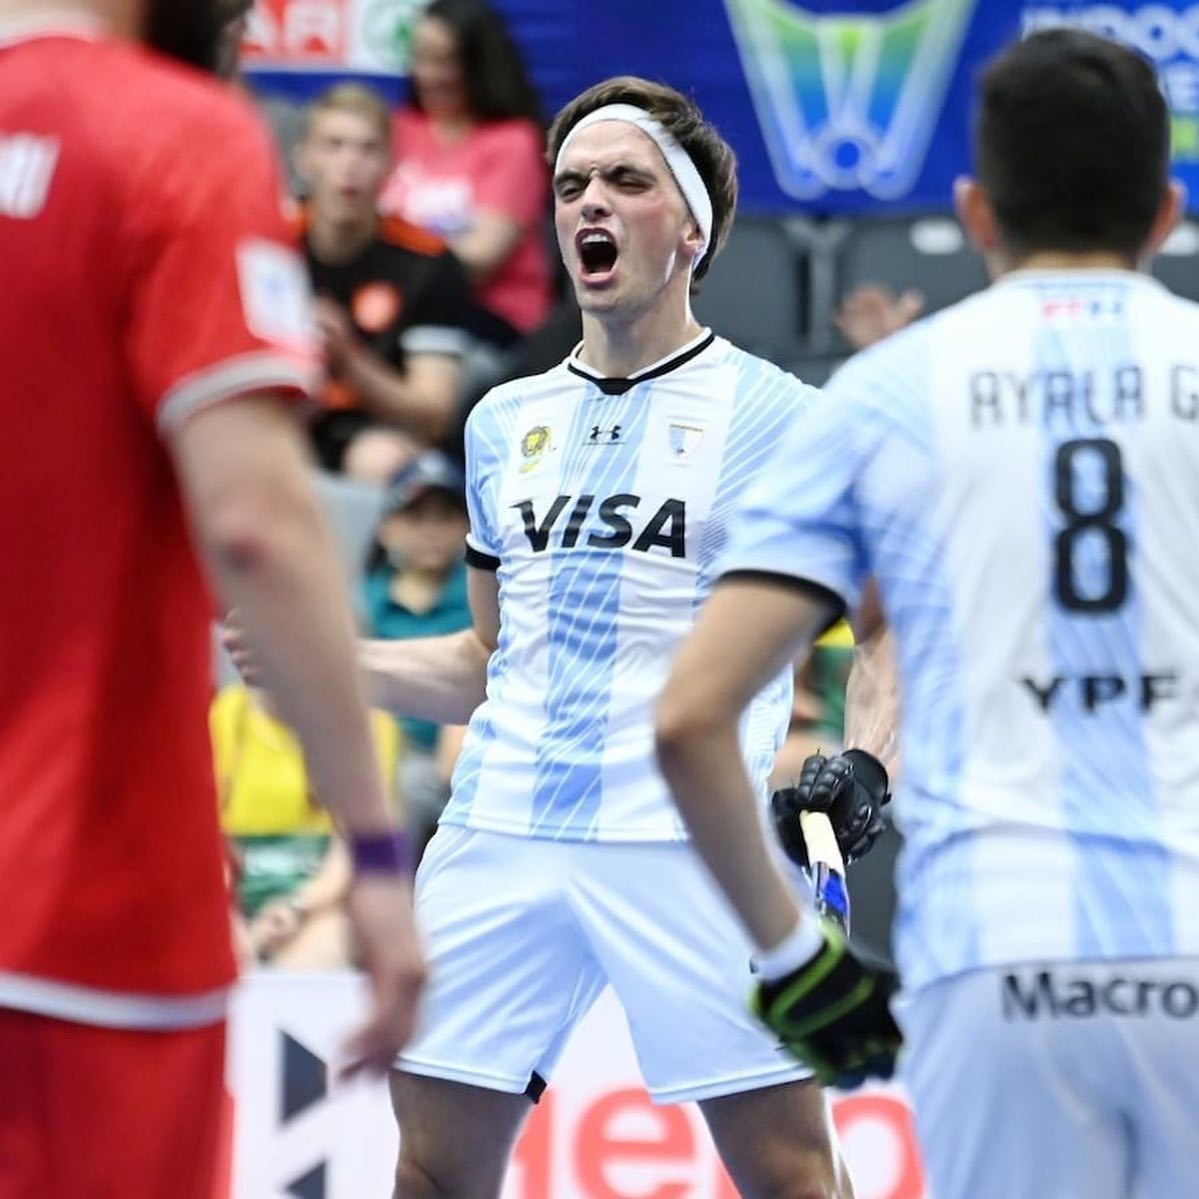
x,y
233,639
386,945
335,329
870,313
274,925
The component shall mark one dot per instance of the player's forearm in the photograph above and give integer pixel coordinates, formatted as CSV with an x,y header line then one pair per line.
x,y
872,698
442,679
285,584
485,246
269,555
702,764
393,397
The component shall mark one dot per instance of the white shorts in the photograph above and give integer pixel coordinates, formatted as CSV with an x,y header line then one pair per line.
x,y
1068,1081
522,934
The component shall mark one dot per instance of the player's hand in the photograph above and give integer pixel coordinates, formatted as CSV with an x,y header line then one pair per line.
x,y
833,1014
850,788
386,946
334,328
233,640
273,926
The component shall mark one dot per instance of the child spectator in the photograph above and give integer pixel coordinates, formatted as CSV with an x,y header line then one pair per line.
x,y
415,586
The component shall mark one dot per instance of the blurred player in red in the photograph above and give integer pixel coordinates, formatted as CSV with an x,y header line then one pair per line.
x,y
154,331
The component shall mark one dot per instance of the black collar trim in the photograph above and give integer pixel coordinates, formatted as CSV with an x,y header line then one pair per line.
x,y
618,386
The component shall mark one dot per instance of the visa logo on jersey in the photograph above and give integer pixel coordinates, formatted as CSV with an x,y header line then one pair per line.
x,y
27,164
607,524
848,102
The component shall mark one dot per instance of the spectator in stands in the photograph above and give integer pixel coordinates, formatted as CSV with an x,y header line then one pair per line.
x,y
378,454
872,312
394,307
469,162
233,15
292,873
415,586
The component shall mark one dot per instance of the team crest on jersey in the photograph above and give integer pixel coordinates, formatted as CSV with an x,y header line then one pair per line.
x,y
848,101
684,440
533,445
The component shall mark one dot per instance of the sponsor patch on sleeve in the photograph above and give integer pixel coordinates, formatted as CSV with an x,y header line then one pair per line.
x,y
275,294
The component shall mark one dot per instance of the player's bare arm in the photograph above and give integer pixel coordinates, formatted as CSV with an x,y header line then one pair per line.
x,y
442,679
260,533
828,1008
484,247
872,699
850,788
722,665
872,690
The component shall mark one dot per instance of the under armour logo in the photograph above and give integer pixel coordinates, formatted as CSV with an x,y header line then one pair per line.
x,y
599,435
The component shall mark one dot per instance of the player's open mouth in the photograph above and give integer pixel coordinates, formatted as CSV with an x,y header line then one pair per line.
x,y
597,252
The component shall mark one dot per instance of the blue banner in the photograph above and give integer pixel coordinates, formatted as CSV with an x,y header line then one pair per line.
x,y
833,106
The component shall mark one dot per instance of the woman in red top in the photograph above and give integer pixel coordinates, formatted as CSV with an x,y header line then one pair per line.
x,y
470,167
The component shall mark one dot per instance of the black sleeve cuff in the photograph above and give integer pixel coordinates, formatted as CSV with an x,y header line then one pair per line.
x,y
479,560
824,596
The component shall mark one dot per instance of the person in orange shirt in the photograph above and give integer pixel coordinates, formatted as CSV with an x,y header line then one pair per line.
x,y
394,307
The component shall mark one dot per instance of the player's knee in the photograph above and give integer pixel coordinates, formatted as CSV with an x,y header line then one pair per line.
x,y
415,1181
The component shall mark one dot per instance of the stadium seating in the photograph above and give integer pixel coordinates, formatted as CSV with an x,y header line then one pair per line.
x,y
754,293
286,119
929,253
776,285
1177,263
352,510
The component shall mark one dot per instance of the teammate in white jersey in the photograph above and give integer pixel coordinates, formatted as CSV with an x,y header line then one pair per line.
x,y
1018,474
599,494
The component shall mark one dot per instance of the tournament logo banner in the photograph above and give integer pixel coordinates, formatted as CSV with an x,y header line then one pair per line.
x,y
1167,35
848,102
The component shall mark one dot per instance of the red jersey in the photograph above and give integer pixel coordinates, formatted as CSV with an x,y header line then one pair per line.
x,y
147,273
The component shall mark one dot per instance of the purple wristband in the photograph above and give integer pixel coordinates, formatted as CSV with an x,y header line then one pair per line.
x,y
381,853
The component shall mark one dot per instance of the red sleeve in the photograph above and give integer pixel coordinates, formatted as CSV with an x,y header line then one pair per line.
x,y
220,302
512,176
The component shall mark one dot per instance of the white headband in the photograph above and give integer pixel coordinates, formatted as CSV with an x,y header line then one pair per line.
x,y
677,159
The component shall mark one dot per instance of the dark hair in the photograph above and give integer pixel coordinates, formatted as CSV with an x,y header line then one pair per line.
x,y
497,84
681,117
190,33
1072,144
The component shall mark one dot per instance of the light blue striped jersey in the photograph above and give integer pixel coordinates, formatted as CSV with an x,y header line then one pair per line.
x,y
1020,473
603,505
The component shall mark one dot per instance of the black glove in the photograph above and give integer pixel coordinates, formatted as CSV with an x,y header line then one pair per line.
x,y
833,1015
850,788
